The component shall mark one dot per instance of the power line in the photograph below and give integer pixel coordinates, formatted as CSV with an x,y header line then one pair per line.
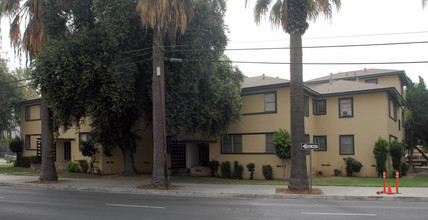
x,y
305,47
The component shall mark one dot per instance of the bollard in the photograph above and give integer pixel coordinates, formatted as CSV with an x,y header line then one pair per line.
x,y
397,177
384,182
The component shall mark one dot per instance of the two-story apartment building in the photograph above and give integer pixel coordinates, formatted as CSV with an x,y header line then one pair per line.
x,y
345,113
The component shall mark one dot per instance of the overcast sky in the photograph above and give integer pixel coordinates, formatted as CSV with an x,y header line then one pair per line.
x,y
367,21
357,22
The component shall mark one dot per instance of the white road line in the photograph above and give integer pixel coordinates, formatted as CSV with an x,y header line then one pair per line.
x,y
337,214
136,206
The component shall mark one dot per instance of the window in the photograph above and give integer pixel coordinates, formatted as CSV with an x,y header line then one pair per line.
x,y
346,144
399,124
306,108
232,144
270,102
270,148
392,110
346,107
392,138
32,112
31,141
82,138
320,107
322,141
374,81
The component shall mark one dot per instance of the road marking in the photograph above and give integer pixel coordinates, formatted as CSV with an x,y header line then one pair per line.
x,y
337,214
136,206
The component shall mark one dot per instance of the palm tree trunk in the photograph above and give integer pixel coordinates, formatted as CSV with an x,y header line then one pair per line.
x,y
48,171
298,174
160,175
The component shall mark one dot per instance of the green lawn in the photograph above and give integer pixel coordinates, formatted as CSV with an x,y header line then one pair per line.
x,y
420,180
415,180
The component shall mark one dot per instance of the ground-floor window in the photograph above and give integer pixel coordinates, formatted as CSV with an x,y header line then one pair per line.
x,y
231,144
347,145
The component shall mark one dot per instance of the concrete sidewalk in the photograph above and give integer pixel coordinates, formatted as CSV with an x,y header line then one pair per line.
x,y
129,185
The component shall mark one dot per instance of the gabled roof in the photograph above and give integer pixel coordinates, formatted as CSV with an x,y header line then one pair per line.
x,y
263,82
344,87
361,74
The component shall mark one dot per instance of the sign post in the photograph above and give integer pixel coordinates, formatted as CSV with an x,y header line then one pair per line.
x,y
310,147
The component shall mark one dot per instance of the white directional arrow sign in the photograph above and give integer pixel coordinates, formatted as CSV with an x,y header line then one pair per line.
x,y
310,146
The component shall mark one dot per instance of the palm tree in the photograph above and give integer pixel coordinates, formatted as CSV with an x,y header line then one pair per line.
x,y
31,43
166,18
292,16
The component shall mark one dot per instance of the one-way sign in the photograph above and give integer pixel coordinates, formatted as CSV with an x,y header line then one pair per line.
x,y
310,146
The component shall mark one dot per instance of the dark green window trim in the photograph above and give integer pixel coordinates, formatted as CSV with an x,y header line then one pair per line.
x,y
316,107
28,114
395,109
264,104
316,140
353,144
342,112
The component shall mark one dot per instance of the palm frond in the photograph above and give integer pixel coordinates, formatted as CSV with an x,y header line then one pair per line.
x,y
276,13
317,7
261,8
9,7
15,33
169,17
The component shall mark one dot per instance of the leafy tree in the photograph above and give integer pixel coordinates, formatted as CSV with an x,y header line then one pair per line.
x,y
282,142
166,19
416,117
292,16
10,97
380,152
90,149
85,74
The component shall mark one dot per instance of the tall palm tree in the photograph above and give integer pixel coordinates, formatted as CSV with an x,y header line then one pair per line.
x,y
32,42
166,18
292,16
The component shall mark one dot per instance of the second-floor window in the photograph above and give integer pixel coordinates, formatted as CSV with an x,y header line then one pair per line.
x,y
32,112
320,107
306,107
346,107
270,102
392,110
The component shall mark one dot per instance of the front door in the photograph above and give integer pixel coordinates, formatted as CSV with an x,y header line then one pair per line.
x,y
67,151
178,155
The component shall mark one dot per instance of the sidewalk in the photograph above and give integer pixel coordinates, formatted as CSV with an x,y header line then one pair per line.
x,y
129,185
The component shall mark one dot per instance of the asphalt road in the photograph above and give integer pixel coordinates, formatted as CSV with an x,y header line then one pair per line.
x,y
20,203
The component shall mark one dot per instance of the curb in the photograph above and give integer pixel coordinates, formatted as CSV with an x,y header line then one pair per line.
x,y
211,194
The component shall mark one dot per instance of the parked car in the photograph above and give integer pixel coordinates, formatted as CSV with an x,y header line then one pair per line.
x,y
9,158
418,160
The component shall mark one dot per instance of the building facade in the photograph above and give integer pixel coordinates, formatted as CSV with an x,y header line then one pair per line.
x,y
345,113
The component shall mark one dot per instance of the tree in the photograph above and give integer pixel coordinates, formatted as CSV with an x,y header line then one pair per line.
x,y
282,142
10,97
165,18
396,152
292,16
90,149
85,74
416,117
31,43
380,152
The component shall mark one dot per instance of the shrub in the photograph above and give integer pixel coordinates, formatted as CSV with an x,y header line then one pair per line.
x,y
34,160
84,165
251,167
73,167
22,162
396,152
404,168
226,170
352,166
237,170
16,146
213,165
380,151
267,172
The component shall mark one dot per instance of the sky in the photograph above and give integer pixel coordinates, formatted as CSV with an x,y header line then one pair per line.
x,y
357,22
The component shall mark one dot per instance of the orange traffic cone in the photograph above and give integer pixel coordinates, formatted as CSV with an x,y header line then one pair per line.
x,y
389,188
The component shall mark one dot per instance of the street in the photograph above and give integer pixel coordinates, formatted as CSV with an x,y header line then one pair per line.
x,y
20,203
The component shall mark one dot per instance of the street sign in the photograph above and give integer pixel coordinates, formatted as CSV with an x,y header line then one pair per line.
x,y
310,146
